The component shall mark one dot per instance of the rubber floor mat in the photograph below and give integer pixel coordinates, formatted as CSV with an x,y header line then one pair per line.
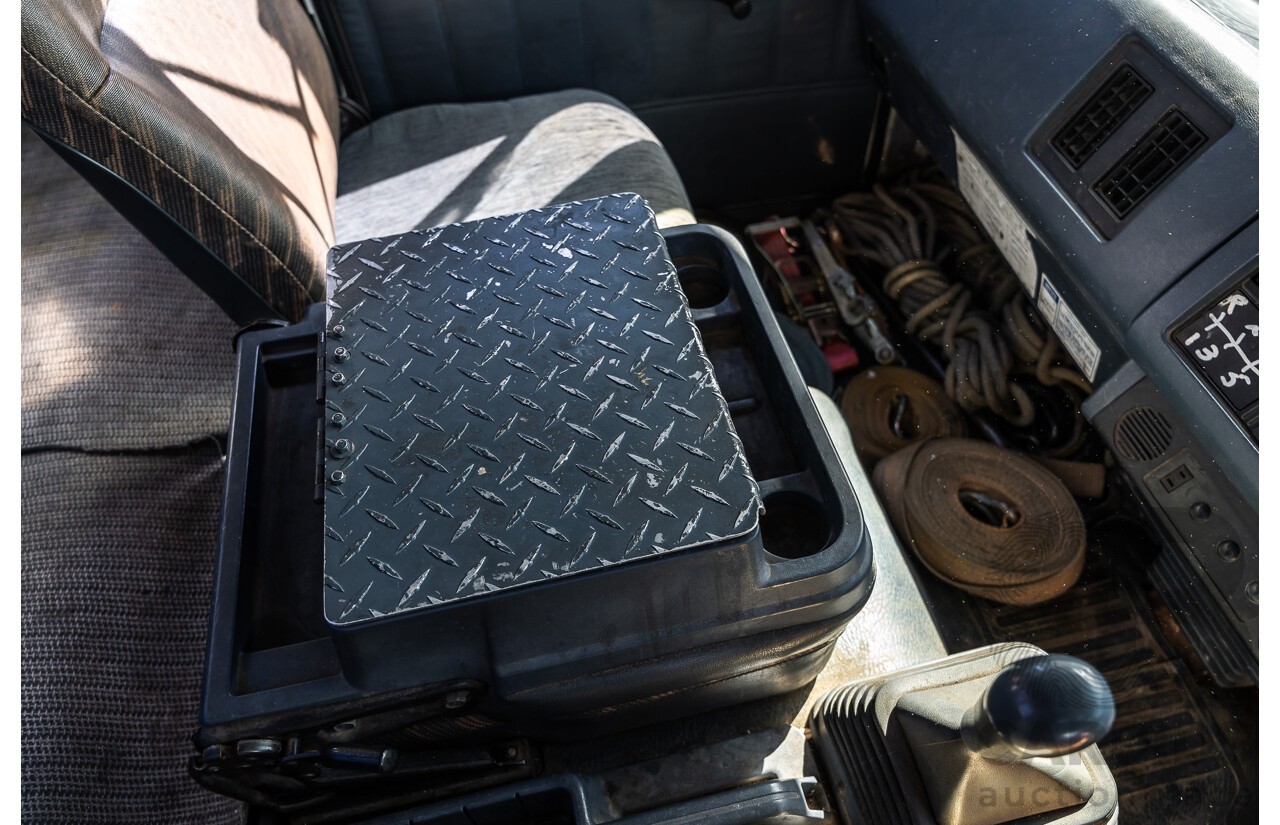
x,y
1173,761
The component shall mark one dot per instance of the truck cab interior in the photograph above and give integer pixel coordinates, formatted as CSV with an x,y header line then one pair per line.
x,y
857,410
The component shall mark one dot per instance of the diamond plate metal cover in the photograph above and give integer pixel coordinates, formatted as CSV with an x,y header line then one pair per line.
x,y
513,400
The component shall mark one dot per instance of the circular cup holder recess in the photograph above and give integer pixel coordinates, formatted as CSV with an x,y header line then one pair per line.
x,y
704,285
794,525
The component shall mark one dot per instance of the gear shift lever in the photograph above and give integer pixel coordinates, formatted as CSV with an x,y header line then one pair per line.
x,y
1040,706
985,737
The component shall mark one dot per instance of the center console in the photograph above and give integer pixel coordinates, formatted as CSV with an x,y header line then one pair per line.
x,y
519,480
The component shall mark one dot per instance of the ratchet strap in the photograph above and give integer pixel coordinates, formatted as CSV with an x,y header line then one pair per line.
x,y
890,408
988,520
1083,478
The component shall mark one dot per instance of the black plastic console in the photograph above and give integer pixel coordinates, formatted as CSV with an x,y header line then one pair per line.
x,y
660,636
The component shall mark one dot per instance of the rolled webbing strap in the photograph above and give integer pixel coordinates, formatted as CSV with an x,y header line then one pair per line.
x,y
986,519
890,408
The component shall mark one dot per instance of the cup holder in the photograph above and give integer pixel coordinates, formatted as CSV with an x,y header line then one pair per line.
x,y
703,282
794,525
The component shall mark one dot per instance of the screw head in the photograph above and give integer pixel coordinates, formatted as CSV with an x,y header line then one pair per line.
x,y
339,379
214,753
258,747
338,331
341,354
457,699
343,448
338,419
337,477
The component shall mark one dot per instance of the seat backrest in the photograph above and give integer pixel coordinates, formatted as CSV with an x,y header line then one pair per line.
x,y
212,125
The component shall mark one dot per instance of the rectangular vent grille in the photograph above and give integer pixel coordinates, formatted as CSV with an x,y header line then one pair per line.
x,y
1110,106
1150,163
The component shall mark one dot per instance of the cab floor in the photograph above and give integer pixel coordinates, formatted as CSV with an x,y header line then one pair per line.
x,y
1182,750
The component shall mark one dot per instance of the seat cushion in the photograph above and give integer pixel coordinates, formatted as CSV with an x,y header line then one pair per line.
x,y
223,114
126,373
119,350
438,164
117,567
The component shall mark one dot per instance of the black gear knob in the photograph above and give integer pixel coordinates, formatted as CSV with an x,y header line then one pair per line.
x,y
1041,706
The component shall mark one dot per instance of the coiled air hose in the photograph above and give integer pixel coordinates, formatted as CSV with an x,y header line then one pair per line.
x,y
978,319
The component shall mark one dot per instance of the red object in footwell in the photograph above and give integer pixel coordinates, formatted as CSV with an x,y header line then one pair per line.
x,y
775,246
840,356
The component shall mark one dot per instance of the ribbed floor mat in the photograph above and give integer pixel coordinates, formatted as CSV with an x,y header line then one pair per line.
x,y
1173,763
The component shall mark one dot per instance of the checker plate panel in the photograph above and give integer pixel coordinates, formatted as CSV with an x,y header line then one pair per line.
x,y
523,398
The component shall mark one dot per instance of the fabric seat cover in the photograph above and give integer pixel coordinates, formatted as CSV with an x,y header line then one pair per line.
x,y
127,367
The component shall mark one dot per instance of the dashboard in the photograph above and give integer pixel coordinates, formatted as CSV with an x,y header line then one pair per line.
x,y
1116,165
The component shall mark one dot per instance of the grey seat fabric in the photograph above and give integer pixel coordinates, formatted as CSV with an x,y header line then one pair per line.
x,y
119,350
223,114
224,117
126,375
117,566
785,92
438,164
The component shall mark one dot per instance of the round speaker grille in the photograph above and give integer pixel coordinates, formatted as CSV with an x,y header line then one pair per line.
x,y
1143,434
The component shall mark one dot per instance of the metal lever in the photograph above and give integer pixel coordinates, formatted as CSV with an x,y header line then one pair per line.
x,y
855,308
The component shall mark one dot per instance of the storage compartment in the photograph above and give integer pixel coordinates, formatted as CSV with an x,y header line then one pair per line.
x,y
598,650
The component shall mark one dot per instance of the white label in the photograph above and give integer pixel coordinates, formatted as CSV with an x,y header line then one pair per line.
x,y
1075,339
997,215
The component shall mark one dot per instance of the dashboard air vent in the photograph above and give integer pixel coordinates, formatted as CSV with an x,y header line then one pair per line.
x,y
1151,162
1110,106
1143,434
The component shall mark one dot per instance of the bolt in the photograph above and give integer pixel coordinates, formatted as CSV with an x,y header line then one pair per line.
x,y
337,477
1201,511
511,753
257,747
338,331
1228,550
343,448
338,419
457,699
339,379
214,753
341,354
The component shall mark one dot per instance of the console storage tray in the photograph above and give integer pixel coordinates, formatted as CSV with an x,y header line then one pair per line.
x,y
734,601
